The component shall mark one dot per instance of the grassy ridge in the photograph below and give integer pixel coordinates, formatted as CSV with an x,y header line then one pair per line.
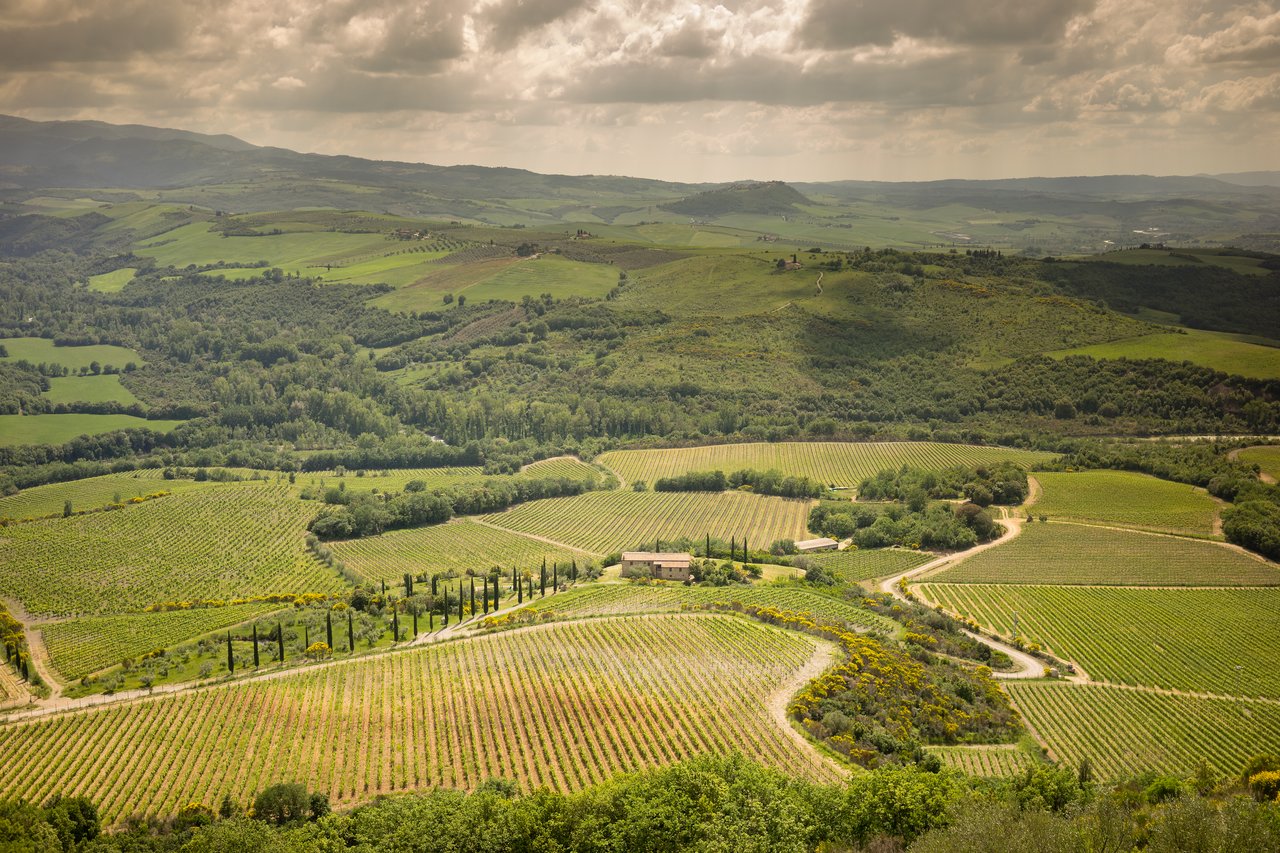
x,y
562,705
1238,354
602,522
1126,498
1123,732
82,646
1208,640
1058,553
838,463
457,546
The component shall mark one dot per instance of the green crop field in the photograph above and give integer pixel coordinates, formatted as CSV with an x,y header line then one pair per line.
x,y
1168,258
300,252
533,277
856,564
567,467
602,522
1123,732
1238,354
89,389
616,599
1125,498
393,480
1223,641
1266,458
58,429
1061,553
37,350
79,647
562,705
996,761
112,282
91,493
839,463
226,541
458,546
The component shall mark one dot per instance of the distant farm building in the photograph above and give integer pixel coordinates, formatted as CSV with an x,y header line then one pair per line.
x,y
810,545
664,566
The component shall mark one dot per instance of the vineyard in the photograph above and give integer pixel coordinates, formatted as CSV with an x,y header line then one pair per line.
x,y
625,598
1057,553
1124,732
562,466
1266,458
457,546
562,705
393,480
221,542
92,493
842,464
79,647
12,691
602,522
994,761
855,564
1210,640
1125,498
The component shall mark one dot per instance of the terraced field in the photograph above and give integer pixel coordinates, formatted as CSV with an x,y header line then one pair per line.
x,y
1059,553
79,647
1123,732
857,564
843,464
602,522
991,762
459,545
614,599
1223,641
1125,498
562,705
225,541
1266,458
91,493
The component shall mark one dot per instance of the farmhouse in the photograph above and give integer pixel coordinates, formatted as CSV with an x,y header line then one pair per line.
x,y
809,545
664,566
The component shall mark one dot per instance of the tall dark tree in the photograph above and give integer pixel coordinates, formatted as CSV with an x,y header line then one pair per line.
x,y
395,625
733,548
328,628
280,640
707,553
542,583
255,645
306,637
519,591
473,596
351,632
415,622
408,584
573,571
231,661
434,587
459,601
555,576
384,588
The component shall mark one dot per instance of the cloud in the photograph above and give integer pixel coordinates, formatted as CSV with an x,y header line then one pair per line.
x,y
854,23
1249,39
510,20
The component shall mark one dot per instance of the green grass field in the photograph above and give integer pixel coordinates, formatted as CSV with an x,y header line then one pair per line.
x,y
1125,498
37,350
1124,732
458,546
602,522
1266,458
1168,258
558,276
79,647
300,252
91,493
564,705
1061,553
1238,354
856,564
225,541
89,389
842,464
112,282
1223,641
621,599
58,429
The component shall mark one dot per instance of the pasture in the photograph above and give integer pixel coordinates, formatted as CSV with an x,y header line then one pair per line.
x,y
112,282
618,599
563,705
79,647
226,541
1242,355
1124,732
37,350
1223,641
89,389
59,429
1125,498
603,522
1266,458
1062,553
300,252
842,464
458,546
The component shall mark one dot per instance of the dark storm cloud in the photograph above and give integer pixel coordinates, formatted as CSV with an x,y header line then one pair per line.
x,y
107,32
511,20
347,91
853,23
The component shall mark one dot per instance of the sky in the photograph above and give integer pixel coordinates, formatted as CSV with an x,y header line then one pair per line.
x,y
761,89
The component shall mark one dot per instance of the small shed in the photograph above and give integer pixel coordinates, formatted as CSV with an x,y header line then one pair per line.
x,y
808,546
667,566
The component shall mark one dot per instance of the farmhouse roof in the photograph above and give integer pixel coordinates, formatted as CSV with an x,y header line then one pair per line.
x,y
811,544
669,558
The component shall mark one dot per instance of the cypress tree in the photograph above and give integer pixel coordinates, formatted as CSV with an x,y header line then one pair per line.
x,y
306,638
431,618
555,576
395,625
280,640
384,588
733,548
519,592
434,588
708,552
415,622
328,628
573,571
496,595
473,596
351,632
459,601
231,661
444,608
744,549
542,584
255,645
26,676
